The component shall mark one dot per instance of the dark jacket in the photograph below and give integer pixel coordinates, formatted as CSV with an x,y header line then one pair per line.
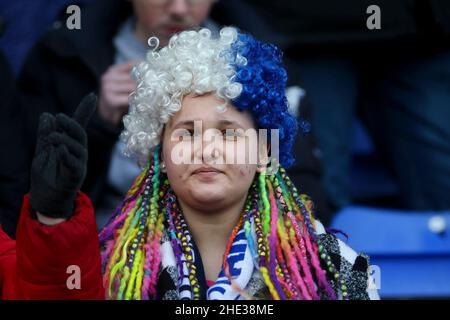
x,y
64,66
14,155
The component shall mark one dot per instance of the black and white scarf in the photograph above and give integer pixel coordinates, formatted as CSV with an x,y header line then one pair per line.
x,y
244,270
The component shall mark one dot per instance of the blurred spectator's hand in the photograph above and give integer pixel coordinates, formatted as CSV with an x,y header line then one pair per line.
x,y
115,87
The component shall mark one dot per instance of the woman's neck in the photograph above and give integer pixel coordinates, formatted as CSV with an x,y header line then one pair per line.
x,y
213,227
211,231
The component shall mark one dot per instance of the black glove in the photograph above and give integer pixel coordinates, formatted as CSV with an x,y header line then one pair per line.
x,y
59,164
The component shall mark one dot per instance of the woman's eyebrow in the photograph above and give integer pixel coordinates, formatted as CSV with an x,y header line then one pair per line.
x,y
181,123
222,122
227,122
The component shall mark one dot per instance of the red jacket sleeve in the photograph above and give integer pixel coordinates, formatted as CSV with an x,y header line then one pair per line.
x,y
7,265
55,262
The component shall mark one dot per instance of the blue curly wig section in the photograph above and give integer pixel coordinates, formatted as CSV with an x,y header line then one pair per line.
x,y
264,79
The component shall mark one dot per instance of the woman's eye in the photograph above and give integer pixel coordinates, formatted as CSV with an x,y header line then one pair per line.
x,y
230,134
184,134
190,133
195,134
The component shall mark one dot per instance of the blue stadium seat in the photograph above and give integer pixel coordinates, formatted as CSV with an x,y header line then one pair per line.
x,y
412,249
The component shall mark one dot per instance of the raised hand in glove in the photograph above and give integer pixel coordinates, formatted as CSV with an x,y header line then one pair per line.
x,y
59,164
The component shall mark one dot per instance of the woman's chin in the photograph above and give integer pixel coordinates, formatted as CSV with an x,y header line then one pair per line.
x,y
208,194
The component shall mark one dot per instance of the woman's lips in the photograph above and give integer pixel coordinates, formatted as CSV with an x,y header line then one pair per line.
x,y
206,172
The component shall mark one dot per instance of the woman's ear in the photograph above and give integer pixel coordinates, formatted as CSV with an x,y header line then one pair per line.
x,y
263,159
261,168
162,163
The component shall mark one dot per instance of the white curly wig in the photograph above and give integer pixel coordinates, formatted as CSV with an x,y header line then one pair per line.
x,y
192,62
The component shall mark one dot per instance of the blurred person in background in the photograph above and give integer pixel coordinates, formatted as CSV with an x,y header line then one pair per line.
x,y
66,64
396,78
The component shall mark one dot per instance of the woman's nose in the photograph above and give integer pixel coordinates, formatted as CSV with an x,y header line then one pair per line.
x,y
209,148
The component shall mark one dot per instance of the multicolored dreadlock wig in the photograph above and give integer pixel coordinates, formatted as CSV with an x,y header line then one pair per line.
x,y
277,224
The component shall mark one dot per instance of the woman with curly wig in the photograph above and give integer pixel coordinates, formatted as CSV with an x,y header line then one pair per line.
x,y
197,223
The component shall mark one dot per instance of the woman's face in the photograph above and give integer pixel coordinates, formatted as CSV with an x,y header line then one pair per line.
x,y
201,147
